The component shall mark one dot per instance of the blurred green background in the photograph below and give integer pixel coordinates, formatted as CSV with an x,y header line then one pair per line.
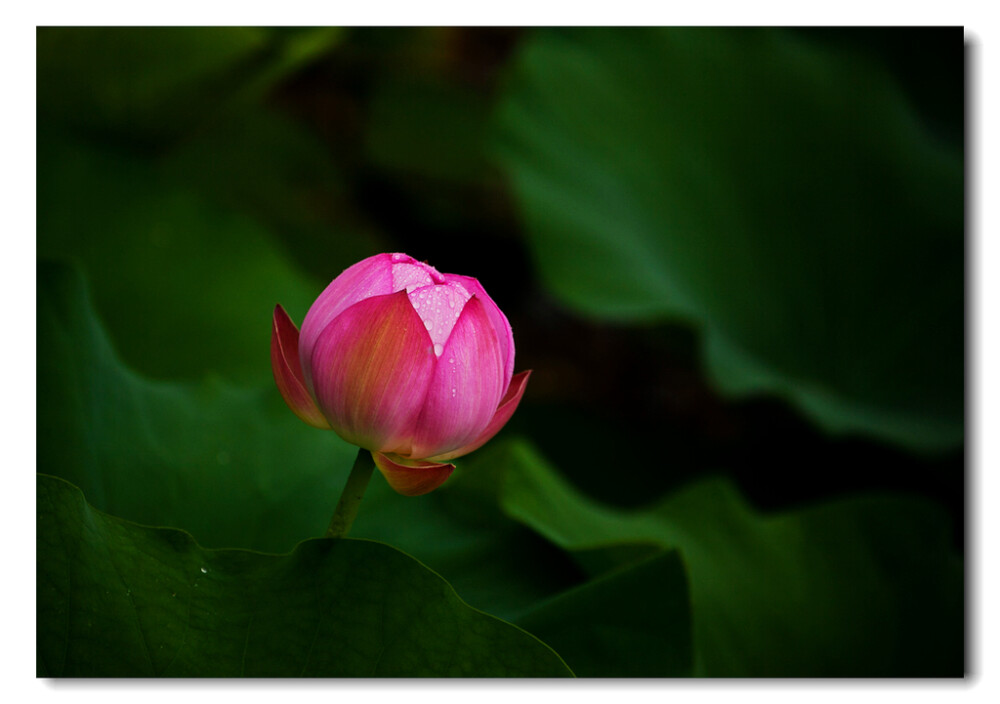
x,y
733,258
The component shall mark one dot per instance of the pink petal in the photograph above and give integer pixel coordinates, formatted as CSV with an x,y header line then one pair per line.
x,y
413,478
374,276
466,387
371,369
499,320
439,306
507,407
369,277
288,371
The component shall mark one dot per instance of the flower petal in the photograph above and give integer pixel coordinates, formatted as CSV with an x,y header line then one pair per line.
x,y
439,306
369,277
507,407
466,387
413,478
288,371
500,322
371,369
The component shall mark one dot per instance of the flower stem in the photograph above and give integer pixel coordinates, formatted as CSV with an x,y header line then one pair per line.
x,y
350,500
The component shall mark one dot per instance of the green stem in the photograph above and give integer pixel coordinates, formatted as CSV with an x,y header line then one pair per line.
x,y
350,500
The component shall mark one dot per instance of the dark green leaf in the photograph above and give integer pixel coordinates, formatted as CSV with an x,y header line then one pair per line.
x,y
153,83
634,622
234,467
184,286
783,196
115,599
865,587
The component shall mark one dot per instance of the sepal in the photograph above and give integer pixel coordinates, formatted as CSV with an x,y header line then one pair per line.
x,y
412,477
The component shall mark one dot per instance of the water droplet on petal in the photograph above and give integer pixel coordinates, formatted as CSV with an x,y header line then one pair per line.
x,y
451,360
428,324
438,349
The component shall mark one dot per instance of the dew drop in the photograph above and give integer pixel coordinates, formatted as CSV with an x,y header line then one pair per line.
x,y
438,349
204,570
453,391
451,360
428,324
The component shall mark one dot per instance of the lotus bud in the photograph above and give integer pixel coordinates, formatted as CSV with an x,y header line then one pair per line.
x,y
411,364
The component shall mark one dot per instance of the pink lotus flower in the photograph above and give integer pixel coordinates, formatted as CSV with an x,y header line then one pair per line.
x,y
414,365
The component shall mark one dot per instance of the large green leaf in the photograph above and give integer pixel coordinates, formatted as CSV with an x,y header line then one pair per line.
x,y
116,599
859,587
783,196
237,469
212,459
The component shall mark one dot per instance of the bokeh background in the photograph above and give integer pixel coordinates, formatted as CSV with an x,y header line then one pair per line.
x,y
733,258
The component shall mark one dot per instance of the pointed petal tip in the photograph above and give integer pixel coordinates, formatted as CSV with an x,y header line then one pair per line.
x,y
508,404
414,477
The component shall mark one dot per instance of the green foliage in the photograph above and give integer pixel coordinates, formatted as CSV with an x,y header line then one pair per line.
x,y
866,587
164,176
779,193
231,466
164,262
151,84
633,622
782,196
117,599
